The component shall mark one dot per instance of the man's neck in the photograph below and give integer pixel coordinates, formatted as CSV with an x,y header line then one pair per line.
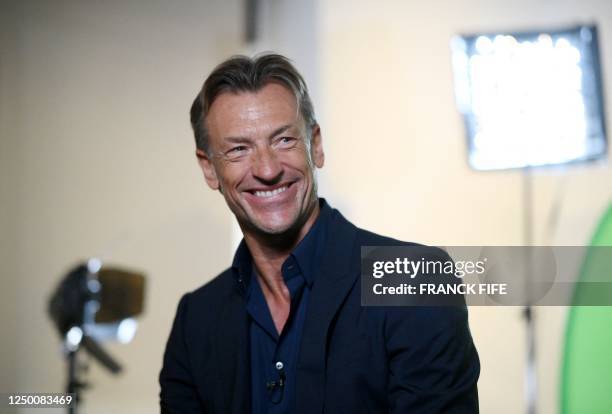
x,y
269,252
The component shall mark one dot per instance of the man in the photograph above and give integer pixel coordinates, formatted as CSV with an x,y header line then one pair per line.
x,y
282,330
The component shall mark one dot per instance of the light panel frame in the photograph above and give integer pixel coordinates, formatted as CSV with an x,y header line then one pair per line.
x,y
531,99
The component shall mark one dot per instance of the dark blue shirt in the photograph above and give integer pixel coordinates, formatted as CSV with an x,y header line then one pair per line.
x,y
273,356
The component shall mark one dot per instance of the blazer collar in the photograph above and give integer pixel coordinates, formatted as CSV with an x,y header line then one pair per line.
x,y
334,281
230,360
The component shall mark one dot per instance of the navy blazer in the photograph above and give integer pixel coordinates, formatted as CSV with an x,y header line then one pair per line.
x,y
352,359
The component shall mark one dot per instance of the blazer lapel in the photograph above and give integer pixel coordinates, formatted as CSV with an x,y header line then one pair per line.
x,y
231,349
332,284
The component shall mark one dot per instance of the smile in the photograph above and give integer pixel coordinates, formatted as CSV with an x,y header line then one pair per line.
x,y
272,193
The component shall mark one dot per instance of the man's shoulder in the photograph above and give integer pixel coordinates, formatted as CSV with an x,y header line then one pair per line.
x,y
342,226
375,239
217,290
368,238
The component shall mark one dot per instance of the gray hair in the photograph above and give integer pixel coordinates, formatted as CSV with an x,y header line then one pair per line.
x,y
244,74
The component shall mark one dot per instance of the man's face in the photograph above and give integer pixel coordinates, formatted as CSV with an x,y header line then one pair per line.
x,y
261,159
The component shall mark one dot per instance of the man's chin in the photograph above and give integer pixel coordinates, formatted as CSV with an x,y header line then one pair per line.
x,y
283,222
271,226
276,228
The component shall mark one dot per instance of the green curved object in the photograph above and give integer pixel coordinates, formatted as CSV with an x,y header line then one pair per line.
x,y
586,382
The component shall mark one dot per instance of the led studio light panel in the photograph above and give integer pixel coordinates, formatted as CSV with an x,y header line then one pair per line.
x,y
530,99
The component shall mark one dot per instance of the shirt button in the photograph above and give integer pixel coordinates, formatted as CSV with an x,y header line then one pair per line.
x,y
279,365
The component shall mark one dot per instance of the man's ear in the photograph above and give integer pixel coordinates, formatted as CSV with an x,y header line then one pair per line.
x,y
316,147
210,175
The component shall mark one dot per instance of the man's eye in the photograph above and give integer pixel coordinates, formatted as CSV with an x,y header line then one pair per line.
x,y
236,153
286,142
237,149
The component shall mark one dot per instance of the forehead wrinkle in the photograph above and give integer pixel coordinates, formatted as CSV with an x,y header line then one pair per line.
x,y
251,114
255,122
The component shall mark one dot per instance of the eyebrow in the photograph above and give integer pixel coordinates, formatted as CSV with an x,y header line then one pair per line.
x,y
243,140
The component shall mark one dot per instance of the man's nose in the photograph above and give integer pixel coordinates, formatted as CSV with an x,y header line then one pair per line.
x,y
266,165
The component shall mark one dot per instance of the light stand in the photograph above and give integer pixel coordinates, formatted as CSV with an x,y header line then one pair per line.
x,y
73,385
530,99
93,305
531,379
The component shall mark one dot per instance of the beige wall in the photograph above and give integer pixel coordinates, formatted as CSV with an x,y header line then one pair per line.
x,y
389,109
97,159
100,163
8,205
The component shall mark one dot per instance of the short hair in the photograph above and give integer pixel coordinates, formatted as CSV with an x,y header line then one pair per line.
x,y
245,74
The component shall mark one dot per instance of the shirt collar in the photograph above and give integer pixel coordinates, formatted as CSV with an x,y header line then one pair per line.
x,y
307,253
309,250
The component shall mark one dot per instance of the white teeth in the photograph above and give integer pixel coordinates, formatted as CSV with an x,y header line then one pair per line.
x,y
270,193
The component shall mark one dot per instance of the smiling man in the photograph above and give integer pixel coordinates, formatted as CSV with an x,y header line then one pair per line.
x,y
282,330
